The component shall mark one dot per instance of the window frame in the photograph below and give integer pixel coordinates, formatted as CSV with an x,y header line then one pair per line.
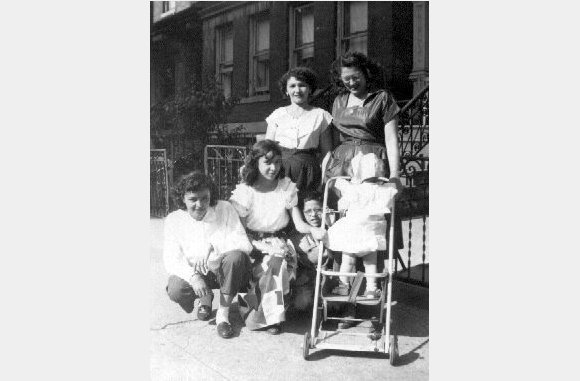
x,y
341,37
223,68
255,56
293,49
168,8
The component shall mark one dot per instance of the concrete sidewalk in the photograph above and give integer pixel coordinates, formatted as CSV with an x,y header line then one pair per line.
x,y
184,348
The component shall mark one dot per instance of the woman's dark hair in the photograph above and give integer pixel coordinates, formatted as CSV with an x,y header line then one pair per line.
x,y
301,73
371,70
309,196
195,181
268,148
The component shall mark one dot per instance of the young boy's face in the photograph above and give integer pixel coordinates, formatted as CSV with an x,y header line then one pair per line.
x,y
313,213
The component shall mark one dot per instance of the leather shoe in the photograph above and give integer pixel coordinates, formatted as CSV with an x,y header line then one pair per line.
x,y
204,313
224,330
275,329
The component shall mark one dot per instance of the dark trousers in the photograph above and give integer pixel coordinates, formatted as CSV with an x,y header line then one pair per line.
x,y
231,277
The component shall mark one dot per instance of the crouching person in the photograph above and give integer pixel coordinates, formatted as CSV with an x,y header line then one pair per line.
x,y
205,247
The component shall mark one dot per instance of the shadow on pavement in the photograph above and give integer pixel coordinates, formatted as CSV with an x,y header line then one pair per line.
x,y
410,356
325,353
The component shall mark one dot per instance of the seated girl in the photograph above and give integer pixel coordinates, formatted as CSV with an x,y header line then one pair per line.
x,y
266,201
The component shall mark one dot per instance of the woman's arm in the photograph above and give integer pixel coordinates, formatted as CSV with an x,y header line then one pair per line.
x,y
392,145
271,131
303,227
173,257
326,144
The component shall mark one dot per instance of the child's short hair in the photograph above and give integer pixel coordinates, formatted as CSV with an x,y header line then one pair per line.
x,y
309,196
268,148
195,181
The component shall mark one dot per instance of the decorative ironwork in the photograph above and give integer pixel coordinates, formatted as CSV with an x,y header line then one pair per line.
x,y
159,184
241,138
413,205
223,164
413,136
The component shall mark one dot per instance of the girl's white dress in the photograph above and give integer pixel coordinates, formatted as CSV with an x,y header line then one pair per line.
x,y
364,227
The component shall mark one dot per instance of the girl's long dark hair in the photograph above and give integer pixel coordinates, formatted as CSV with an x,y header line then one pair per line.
x,y
267,147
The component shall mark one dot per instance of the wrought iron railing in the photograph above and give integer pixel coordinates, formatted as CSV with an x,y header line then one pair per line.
x,y
159,183
414,136
413,205
240,138
223,163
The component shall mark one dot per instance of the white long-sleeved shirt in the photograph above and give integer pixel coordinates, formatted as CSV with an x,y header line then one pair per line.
x,y
186,238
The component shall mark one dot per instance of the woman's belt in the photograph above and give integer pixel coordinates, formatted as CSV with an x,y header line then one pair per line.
x,y
282,233
358,142
292,151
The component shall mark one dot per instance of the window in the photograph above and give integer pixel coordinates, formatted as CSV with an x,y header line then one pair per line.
x,y
302,36
225,58
259,55
352,27
167,8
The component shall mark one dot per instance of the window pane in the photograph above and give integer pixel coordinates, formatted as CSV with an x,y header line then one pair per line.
x,y
305,57
228,46
356,17
167,6
308,52
357,44
262,35
304,26
226,80
262,73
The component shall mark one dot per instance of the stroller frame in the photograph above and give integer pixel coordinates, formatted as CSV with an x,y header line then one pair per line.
x,y
317,338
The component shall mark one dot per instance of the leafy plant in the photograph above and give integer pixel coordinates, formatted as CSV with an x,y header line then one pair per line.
x,y
195,112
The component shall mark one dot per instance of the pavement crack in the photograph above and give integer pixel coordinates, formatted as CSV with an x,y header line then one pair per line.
x,y
171,324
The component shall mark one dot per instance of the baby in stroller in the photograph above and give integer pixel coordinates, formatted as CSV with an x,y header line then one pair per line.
x,y
362,231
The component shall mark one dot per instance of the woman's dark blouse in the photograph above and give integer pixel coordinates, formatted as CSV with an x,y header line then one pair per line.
x,y
366,122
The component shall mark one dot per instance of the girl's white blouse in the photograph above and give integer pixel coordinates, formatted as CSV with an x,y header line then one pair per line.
x,y
265,211
302,132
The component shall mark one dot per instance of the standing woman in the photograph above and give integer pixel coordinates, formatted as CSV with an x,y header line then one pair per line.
x,y
300,129
365,117
365,120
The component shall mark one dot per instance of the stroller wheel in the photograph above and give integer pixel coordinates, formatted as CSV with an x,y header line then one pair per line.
x,y
393,350
306,345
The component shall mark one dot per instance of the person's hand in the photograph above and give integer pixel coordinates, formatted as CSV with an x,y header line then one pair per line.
x,y
200,262
397,182
199,286
318,233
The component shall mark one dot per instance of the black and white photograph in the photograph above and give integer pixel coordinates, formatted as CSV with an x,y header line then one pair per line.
x,y
289,190
232,190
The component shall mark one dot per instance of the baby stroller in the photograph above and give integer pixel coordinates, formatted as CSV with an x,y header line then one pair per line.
x,y
379,338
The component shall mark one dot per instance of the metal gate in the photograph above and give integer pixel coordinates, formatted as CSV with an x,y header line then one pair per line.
x,y
159,183
223,163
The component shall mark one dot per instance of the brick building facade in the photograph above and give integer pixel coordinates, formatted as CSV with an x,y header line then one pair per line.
x,y
247,46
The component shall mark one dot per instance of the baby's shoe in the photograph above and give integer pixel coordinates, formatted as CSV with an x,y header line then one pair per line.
x,y
343,289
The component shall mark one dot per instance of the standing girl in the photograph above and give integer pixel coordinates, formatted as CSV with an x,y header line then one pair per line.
x,y
300,129
266,200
